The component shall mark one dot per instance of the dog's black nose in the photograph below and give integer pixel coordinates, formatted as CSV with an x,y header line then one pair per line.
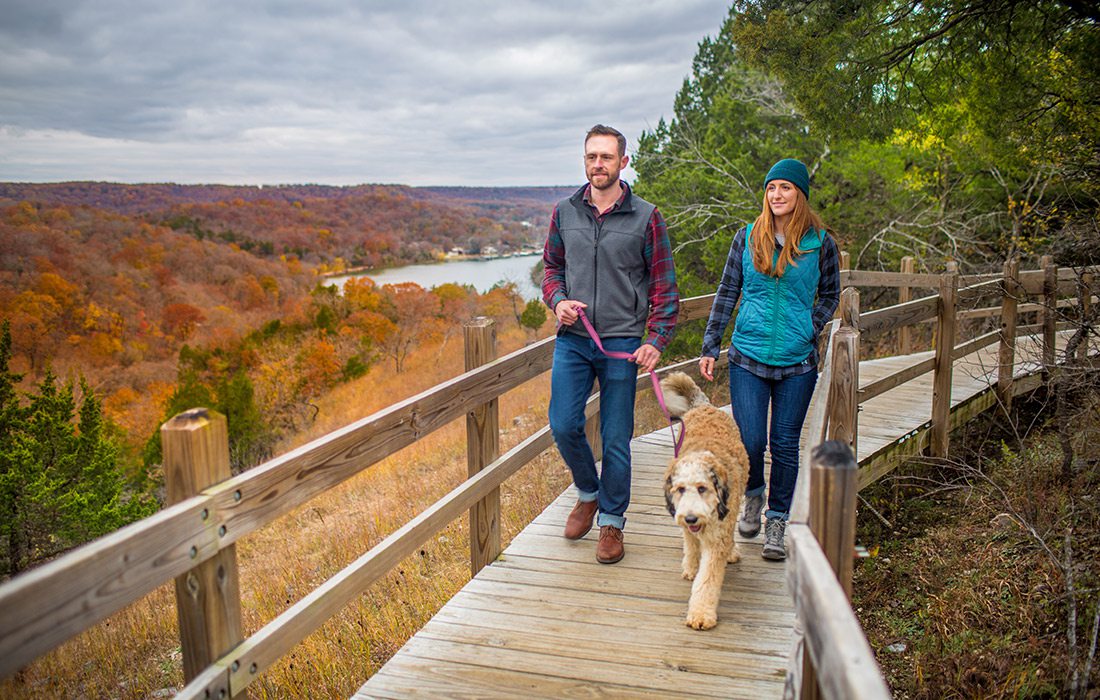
x,y
690,519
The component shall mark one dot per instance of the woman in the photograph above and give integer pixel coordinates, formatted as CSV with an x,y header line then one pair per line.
x,y
785,270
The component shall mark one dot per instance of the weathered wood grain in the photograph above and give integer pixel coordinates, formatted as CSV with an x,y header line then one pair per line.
x,y
482,446
842,659
208,597
897,316
874,278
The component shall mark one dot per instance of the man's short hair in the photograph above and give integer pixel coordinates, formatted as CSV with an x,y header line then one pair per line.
x,y
601,130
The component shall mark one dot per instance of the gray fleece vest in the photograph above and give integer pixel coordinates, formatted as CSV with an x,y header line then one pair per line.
x,y
605,264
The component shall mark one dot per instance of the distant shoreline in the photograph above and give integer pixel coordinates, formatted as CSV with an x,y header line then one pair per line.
x,y
364,270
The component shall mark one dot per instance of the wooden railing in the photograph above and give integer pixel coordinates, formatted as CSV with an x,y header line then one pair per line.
x,y
836,661
192,539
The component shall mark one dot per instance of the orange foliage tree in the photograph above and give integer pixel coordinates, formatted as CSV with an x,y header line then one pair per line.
x,y
413,311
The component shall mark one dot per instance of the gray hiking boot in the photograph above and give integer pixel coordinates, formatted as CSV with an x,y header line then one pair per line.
x,y
774,548
749,524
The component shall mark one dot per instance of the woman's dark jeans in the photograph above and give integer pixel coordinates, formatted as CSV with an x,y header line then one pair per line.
x,y
789,398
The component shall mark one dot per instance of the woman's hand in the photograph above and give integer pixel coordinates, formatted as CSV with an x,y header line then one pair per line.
x,y
706,368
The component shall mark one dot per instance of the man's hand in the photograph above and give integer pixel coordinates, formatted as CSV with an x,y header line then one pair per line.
x,y
706,368
646,356
566,311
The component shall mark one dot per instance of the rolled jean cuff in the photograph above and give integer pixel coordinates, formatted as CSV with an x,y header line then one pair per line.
x,y
587,496
617,521
758,491
776,515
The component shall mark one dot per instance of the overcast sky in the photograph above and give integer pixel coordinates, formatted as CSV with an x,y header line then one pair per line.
x,y
421,92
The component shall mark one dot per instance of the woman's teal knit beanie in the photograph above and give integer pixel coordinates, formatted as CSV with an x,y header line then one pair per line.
x,y
793,171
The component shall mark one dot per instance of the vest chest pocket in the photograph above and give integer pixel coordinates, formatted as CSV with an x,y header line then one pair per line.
x,y
624,246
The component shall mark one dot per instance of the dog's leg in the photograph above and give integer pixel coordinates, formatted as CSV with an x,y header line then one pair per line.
x,y
691,555
735,554
705,589
735,551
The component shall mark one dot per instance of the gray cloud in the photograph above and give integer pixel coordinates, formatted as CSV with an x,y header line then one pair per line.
x,y
421,92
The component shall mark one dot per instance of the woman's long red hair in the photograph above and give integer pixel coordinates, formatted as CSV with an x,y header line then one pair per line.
x,y
762,242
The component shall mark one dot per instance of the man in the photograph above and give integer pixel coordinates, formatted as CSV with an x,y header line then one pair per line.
x,y
608,253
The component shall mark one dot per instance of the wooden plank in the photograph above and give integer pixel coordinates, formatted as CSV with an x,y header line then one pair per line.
x,y
980,293
412,677
524,594
694,308
900,315
662,628
972,346
595,672
891,381
845,665
875,278
639,650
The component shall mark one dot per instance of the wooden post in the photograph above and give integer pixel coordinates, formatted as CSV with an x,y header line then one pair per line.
x,y
1084,309
208,598
905,293
941,383
845,265
844,388
834,484
1006,360
482,447
1050,309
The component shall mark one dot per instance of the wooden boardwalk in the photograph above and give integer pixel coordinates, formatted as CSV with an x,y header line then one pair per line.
x,y
547,621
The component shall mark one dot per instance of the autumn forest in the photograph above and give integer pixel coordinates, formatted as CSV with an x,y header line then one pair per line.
x,y
122,305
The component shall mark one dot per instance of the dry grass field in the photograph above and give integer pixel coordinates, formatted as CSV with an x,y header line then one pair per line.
x,y
135,653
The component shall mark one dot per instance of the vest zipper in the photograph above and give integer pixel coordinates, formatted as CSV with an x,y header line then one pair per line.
x,y
775,321
595,269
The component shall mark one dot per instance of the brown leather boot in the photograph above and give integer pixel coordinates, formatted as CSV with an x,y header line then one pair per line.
x,y
579,521
610,547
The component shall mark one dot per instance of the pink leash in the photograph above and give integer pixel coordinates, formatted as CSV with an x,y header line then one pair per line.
x,y
616,355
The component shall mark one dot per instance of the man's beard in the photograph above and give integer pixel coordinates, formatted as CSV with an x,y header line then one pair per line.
x,y
608,184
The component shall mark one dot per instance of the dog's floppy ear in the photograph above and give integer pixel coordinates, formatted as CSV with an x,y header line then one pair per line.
x,y
723,491
668,497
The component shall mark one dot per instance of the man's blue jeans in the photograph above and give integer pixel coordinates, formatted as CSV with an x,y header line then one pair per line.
x,y
577,362
789,399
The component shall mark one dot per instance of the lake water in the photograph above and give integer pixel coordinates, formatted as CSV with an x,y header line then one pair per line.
x,y
481,274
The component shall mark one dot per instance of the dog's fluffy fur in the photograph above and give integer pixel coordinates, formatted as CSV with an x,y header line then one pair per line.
x,y
703,489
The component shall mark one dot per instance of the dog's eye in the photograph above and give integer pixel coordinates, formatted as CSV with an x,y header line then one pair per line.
x,y
681,490
702,489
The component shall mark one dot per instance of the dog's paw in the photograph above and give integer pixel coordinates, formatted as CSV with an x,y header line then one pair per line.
x,y
735,556
701,621
689,574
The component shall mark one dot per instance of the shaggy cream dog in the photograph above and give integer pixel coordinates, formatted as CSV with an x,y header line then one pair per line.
x,y
703,489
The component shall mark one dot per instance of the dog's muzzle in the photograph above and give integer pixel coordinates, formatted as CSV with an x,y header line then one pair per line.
x,y
692,523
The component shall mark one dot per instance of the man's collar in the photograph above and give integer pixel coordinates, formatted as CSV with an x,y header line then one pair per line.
x,y
623,195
